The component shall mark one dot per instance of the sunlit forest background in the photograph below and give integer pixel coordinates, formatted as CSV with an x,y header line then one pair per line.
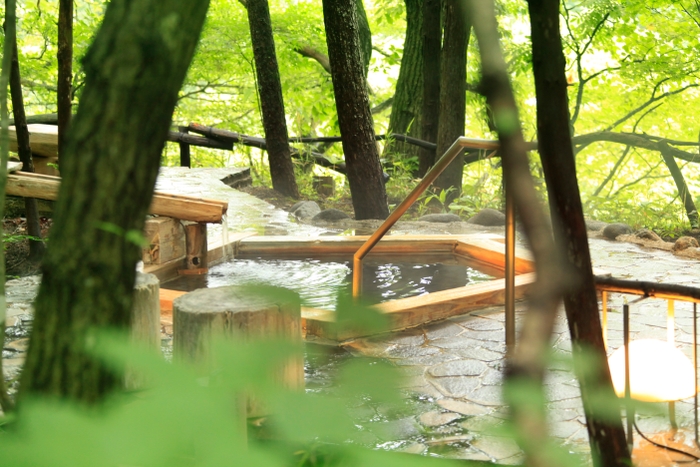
x,y
632,68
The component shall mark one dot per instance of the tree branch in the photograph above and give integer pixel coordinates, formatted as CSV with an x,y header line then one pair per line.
x,y
310,52
651,100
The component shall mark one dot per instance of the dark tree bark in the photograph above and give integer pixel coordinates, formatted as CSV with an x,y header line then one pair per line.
x,y
365,35
10,39
354,117
526,364
606,436
133,72
405,118
682,187
65,69
431,82
453,81
36,247
271,100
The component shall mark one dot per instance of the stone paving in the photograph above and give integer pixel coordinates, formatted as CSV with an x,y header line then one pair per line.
x,y
454,365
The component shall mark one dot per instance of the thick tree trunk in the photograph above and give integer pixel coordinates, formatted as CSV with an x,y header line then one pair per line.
x,y
36,247
606,436
431,82
405,118
453,81
65,69
354,117
134,70
682,187
271,100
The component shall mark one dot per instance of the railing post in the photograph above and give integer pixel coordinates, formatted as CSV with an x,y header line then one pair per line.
x,y
510,273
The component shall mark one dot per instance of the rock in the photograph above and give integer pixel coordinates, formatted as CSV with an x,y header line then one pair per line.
x,y
647,234
465,367
20,345
445,218
612,231
330,215
305,209
464,408
595,226
435,418
488,217
415,448
683,243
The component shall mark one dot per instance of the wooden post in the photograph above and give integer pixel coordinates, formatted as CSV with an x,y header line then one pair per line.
x,y
184,150
235,313
196,248
145,321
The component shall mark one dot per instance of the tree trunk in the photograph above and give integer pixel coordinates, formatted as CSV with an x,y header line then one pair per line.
x,y
681,186
7,49
133,72
36,247
365,35
271,100
354,117
405,118
453,81
65,69
606,436
526,364
431,82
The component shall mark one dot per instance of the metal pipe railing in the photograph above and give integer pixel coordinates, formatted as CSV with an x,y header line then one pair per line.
x,y
453,151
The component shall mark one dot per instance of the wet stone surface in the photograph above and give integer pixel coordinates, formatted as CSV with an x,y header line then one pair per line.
x,y
452,405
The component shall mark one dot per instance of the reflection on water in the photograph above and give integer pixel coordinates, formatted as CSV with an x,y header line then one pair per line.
x,y
319,283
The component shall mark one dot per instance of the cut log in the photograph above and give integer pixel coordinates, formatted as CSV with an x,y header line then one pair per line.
x,y
177,206
145,311
235,313
145,322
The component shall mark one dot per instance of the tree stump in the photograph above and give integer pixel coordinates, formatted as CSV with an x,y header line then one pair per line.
x,y
236,313
145,320
145,311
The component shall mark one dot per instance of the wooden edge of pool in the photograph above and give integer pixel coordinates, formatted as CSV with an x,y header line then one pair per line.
x,y
415,311
484,251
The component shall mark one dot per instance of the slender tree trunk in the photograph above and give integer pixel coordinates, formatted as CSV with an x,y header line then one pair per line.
x,y
36,247
271,100
65,69
606,436
133,72
406,109
365,35
354,117
681,186
10,39
431,82
453,81
526,365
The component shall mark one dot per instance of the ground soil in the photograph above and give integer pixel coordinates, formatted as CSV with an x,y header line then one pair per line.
x,y
17,262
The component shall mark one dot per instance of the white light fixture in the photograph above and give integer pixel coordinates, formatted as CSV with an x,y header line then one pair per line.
x,y
659,372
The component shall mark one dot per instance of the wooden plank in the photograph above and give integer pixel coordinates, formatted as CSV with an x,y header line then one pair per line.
x,y
163,204
297,247
415,311
166,300
165,240
493,253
